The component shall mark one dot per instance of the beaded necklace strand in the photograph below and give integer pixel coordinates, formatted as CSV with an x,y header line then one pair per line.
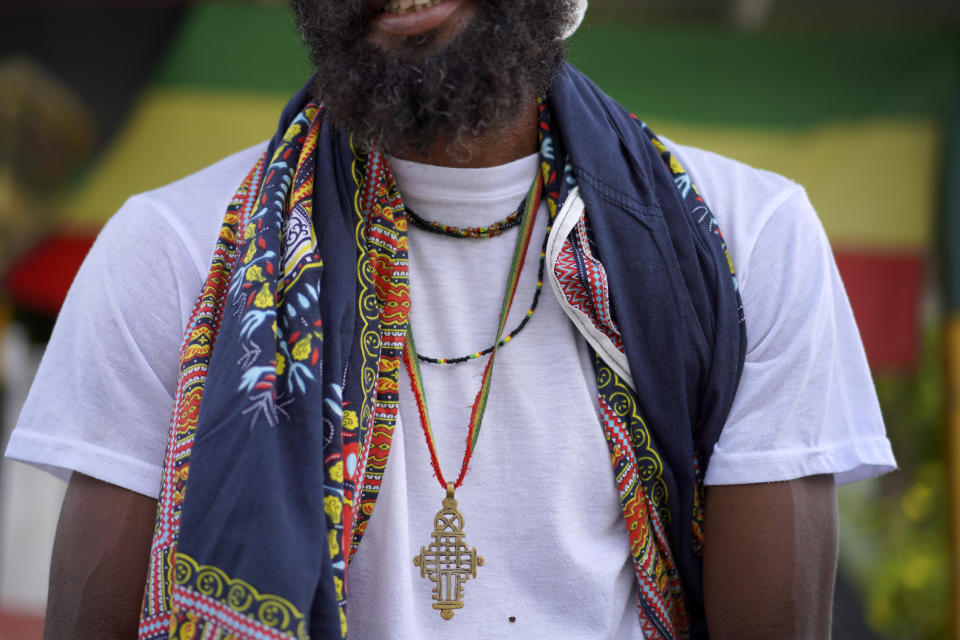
x,y
492,230
435,227
512,334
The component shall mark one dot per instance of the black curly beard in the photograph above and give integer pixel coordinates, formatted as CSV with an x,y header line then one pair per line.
x,y
422,90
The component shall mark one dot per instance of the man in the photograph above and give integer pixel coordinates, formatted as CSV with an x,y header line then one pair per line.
x,y
388,213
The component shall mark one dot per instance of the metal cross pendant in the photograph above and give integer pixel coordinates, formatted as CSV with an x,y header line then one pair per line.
x,y
447,562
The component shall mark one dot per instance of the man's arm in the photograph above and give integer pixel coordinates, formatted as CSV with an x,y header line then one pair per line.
x,y
770,558
99,564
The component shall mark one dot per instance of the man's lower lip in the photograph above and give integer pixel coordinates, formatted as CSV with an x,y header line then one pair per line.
x,y
412,24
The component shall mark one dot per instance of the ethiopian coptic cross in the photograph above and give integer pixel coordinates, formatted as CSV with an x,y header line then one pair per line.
x,y
447,562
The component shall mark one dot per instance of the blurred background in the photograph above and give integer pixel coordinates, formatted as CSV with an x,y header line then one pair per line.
x,y
858,101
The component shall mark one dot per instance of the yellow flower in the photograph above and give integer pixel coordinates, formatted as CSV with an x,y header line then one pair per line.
x,y
289,135
338,587
343,623
264,299
281,364
333,507
675,165
301,350
332,541
350,420
250,231
336,472
251,251
255,273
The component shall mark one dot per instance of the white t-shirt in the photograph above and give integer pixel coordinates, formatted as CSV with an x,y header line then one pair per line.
x,y
539,502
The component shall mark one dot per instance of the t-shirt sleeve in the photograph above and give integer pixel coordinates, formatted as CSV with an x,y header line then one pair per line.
x,y
806,403
103,395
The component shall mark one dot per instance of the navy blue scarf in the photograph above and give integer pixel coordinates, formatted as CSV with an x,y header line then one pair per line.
x,y
674,297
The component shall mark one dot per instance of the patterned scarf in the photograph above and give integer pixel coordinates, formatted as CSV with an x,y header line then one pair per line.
x,y
287,394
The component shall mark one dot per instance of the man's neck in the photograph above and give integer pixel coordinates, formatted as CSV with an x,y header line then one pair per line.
x,y
499,146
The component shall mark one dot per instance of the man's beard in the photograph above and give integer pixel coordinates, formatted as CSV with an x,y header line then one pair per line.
x,y
421,91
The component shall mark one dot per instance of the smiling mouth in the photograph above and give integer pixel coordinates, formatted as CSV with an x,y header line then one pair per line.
x,y
411,18
400,7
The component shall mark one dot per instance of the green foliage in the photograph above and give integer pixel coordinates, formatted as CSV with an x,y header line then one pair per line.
x,y
893,536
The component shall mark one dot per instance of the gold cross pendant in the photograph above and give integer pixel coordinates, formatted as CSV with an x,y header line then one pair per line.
x,y
447,562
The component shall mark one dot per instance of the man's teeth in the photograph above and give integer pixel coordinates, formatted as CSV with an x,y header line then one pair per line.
x,y
409,6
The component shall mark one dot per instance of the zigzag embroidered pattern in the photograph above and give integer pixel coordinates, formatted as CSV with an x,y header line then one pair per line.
x,y
662,609
386,242
357,440
583,281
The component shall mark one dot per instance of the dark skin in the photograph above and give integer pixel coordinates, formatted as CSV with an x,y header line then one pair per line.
x,y
99,565
770,559
769,556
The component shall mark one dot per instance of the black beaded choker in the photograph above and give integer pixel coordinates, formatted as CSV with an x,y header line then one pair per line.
x,y
490,231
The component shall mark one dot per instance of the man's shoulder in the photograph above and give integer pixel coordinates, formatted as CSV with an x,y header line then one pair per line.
x,y
184,215
724,181
211,185
746,201
743,198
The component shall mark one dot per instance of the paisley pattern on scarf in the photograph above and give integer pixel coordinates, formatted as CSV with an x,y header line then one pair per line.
x,y
260,282
257,292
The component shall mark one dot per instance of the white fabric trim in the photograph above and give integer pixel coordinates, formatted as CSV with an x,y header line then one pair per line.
x,y
567,219
848,461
